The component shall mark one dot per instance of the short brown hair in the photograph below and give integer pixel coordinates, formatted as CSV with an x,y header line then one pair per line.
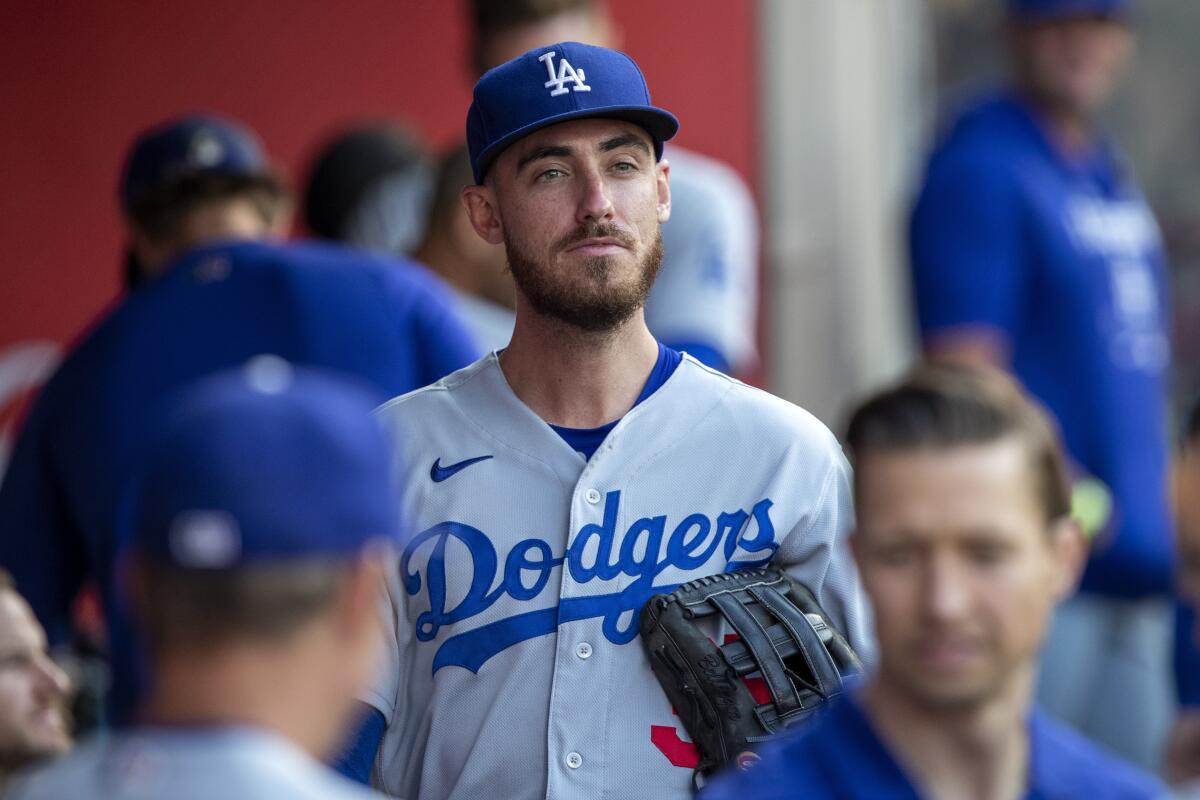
x,y
491,17
198,609
946,406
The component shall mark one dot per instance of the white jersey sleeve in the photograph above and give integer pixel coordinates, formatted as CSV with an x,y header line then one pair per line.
x,y
707,291
517,670
199,763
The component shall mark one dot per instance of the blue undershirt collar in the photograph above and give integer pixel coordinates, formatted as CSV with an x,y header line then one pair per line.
x,y
588,440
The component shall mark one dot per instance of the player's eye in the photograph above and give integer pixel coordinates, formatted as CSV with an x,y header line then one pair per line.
x,y
900,556
550,174
624,166
987,553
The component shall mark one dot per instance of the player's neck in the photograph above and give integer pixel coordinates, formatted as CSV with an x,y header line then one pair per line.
x,y
577,379
981,751
236,689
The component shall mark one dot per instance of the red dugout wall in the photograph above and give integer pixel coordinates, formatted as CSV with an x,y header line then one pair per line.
x,y
80,78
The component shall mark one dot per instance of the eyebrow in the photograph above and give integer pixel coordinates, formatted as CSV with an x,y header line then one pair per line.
x,y
550,151
625,140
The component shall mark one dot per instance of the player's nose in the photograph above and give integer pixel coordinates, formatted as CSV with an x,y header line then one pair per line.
x,y
946,594
51,677
595,200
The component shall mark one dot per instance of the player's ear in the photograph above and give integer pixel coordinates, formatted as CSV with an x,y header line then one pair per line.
x,y
480,203
663,180
1069,551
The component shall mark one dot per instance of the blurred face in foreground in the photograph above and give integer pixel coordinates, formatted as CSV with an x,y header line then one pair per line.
x,y
33,690
1070,65
962,569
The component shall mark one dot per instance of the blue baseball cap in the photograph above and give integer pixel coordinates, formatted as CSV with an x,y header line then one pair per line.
x,y
191,145
265,464
1042,10
555,84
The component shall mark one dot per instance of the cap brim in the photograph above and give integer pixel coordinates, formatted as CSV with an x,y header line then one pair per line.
x,y
660,124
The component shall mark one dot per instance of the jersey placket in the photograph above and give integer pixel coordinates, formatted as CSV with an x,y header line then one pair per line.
x,y
577,721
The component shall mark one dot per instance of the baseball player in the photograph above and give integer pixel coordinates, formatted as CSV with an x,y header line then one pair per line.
x,y
964,542
560,483
1034,250
215,292
261,526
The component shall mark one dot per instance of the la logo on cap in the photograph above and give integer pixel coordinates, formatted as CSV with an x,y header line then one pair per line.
x,y
565,73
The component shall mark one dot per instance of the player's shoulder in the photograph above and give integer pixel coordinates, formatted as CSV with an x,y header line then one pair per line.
x,y
438,396
73,775
1066,764
757,412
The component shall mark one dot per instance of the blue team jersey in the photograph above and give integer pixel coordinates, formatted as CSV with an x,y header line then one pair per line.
x,y
841,756
1061,257
387,323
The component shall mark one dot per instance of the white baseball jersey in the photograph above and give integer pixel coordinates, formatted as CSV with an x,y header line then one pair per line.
x,y
707,292
516,670
200,763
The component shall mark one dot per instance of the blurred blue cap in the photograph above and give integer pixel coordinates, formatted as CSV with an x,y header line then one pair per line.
x,y
555,84
1039,10
188,146
264,464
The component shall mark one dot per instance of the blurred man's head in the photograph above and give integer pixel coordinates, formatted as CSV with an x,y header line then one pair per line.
x,y
258,557
504,29
33,690
450,245
195,180
1068,54
964,541
369,187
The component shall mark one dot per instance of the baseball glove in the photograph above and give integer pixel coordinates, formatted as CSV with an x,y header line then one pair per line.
x,y
780,633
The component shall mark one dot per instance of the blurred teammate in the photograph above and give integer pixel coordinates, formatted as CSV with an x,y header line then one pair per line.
x,y
33,690
559,484
705,300
370,187
964,544
475,269
214,291
1033,249
261,525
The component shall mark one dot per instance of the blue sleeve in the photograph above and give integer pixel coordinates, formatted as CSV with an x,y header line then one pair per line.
x,y
1187,656
966,243
39,542
448,345
357,760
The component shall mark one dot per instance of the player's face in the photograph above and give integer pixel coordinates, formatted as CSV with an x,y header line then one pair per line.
x,y
961,569
1073,63
33,690
579,207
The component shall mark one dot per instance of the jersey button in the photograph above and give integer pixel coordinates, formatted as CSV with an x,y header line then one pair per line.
x,y
574,760
592,496
583,650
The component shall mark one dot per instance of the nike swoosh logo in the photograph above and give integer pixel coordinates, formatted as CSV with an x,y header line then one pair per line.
x,y
440,473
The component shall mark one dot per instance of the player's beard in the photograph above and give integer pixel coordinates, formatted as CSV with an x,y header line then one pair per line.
x,y
592,301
